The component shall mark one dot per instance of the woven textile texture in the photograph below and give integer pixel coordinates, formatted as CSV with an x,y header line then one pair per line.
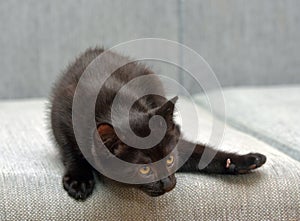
x,y
31,172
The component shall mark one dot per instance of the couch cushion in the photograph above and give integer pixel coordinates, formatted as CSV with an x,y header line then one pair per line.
x,y
269,113
31,171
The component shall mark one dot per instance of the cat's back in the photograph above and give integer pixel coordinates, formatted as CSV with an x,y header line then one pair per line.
x,y
68,80
64,88
66,84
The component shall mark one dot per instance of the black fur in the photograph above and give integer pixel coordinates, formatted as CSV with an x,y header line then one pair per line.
x,y
78,179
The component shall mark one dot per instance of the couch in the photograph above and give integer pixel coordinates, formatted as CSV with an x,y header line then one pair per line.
x,y
31,171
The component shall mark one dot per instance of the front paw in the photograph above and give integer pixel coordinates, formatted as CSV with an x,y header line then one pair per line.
x,y
77,187
245,163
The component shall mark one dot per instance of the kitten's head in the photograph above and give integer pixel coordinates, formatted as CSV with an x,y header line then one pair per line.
x,y
139,123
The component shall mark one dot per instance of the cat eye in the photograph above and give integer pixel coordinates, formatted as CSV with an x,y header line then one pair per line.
x,y
170,160
145,170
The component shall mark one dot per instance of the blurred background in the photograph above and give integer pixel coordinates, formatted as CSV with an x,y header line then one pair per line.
x,y
245,42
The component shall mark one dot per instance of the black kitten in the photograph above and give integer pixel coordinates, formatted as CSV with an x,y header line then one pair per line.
x,y
78,179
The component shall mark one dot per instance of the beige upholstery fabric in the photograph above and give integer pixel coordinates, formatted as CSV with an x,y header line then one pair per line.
x,y
270,113
30,181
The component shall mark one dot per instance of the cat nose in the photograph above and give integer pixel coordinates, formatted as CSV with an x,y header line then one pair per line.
x,y
167,184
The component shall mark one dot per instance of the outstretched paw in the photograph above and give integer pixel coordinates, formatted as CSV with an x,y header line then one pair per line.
x,y
245,163
78,188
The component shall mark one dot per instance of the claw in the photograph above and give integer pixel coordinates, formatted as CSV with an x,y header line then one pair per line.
x,y
228,162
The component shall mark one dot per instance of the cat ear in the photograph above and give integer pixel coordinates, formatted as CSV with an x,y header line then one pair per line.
x,y
106,131
110,139
167,109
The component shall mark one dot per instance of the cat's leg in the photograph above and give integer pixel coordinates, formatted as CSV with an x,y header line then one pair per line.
x,y
223,162
78,179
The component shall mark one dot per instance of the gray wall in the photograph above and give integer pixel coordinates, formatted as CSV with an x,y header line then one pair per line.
x,y
245,42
